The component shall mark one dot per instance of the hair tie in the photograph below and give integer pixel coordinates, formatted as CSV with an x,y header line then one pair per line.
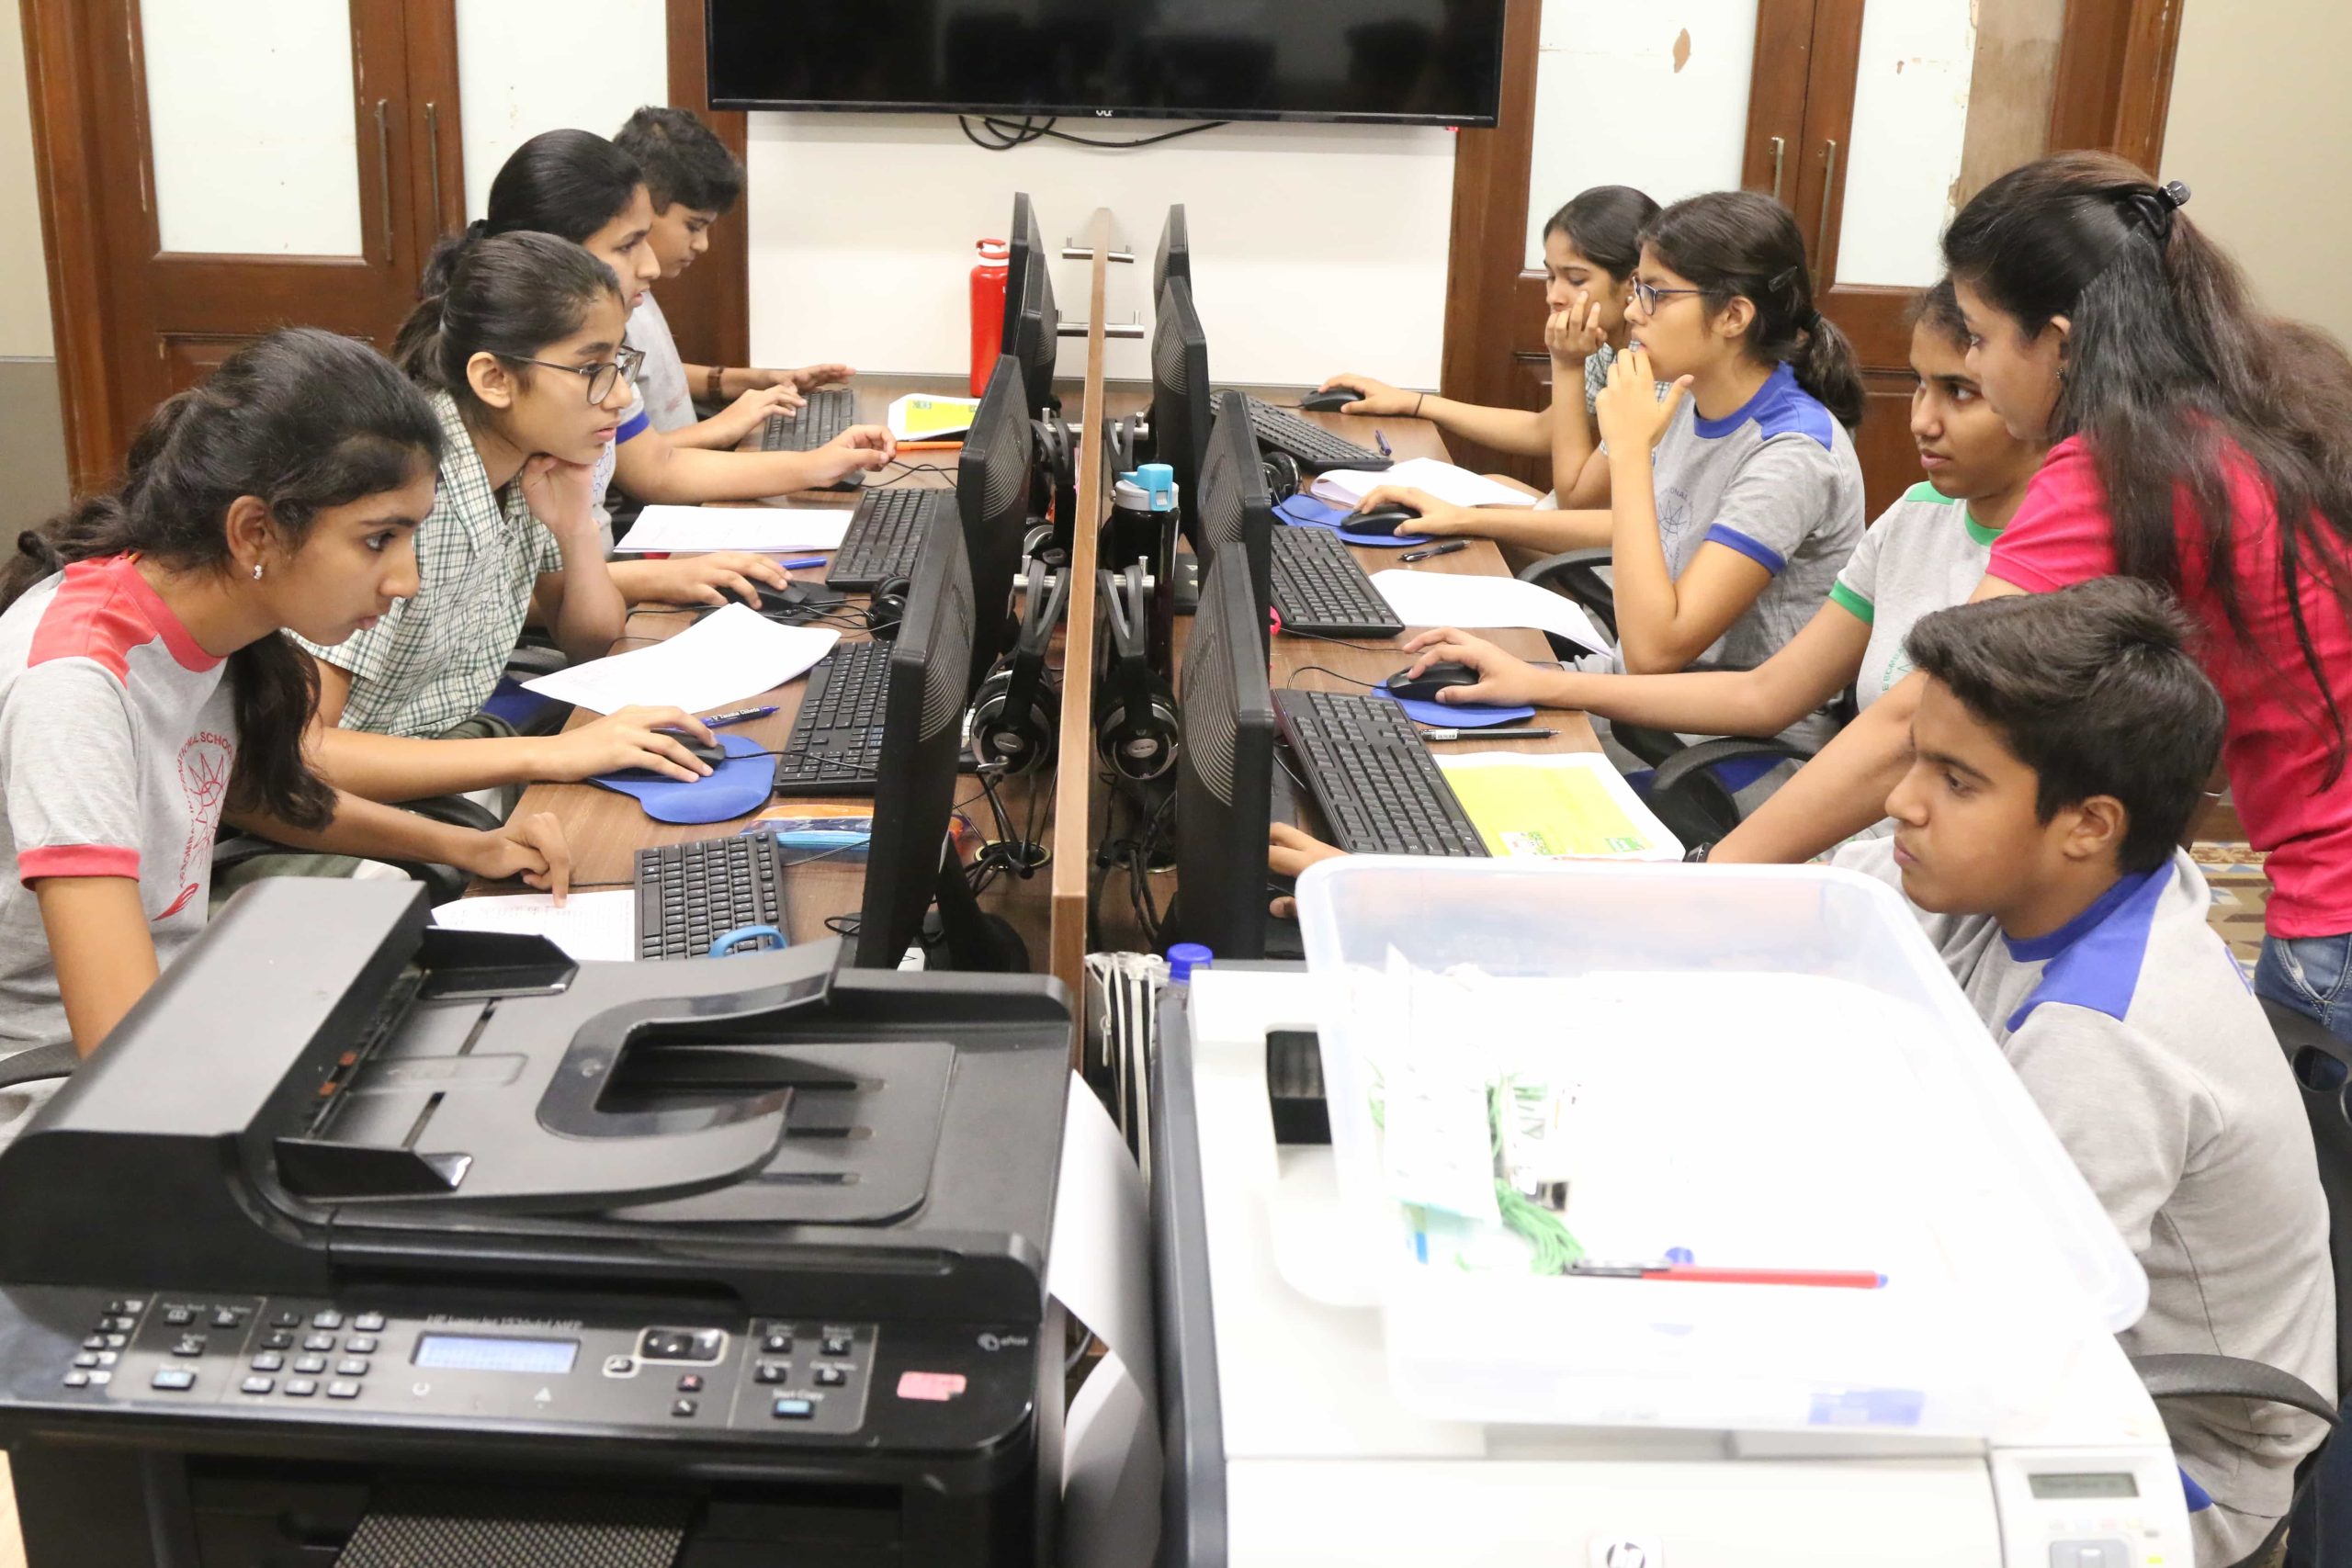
x,y
477,230
2155,205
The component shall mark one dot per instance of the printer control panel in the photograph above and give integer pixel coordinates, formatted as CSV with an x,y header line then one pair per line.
x,y
779,1375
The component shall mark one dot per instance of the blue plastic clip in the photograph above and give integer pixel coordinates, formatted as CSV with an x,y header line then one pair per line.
x,y
764,937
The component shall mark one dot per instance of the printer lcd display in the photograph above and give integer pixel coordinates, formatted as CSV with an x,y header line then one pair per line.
x,y
484,1353
2067,1483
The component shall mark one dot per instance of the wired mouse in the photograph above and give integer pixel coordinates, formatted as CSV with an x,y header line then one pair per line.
x,y
1441,676
1331,400
710,752
1388,521
798,598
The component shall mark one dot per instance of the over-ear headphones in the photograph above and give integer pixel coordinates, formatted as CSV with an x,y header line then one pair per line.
x,y
888,606
1282,476
1134,713
1120,438
1015,714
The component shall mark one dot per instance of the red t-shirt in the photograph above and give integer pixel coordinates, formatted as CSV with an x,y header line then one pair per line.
x,y
2279,743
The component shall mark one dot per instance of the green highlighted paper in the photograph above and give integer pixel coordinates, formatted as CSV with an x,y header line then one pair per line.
x,y
1563,803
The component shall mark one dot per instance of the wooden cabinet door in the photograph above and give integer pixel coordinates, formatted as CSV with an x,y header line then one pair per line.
x,y
210,173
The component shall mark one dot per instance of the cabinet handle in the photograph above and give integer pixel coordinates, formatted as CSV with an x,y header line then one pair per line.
x,y
384,172
1779,153
432,157
1828,199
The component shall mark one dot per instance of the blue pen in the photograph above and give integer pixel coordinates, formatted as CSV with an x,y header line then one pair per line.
x,y
801,563
1381,441
740,716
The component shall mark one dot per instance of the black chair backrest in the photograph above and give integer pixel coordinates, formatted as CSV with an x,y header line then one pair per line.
x,y
2322,1068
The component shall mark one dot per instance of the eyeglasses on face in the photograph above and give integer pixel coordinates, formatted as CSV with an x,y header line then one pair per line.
x,y
600,376
1647,297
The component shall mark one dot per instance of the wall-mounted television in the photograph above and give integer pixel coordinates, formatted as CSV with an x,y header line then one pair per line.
x,y
1386,62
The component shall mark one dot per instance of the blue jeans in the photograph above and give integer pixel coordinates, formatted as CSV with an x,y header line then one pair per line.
x,y
2312,974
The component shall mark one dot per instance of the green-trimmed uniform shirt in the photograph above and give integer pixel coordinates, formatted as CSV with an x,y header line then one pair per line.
x,y
1924,554
437,658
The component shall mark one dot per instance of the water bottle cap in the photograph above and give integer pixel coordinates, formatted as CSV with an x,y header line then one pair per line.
x,y
1185,957
1128,495
1161,480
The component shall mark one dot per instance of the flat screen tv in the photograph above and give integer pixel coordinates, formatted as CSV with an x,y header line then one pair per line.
x,y
1392,62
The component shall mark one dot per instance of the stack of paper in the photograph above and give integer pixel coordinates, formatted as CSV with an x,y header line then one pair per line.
x,y
1348,486
1443,599
920,417
599,927
774,529
1555,803
731,654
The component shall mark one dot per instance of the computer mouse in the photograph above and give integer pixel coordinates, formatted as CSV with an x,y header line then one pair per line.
x,y
799,599
710,752
1441,676
1331,400
1384,520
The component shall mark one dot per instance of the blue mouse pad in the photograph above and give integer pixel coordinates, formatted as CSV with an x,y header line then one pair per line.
x,y
1466,715
736,787
1306,512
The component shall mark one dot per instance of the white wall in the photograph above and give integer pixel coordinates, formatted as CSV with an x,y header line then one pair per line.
x,y
24,303
2258,127
1315,248
525,66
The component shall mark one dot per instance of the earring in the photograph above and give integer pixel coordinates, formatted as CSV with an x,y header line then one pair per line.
x,y
256,572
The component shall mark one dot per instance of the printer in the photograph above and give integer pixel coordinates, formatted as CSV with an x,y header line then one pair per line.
x,y
1287,1445
365,1242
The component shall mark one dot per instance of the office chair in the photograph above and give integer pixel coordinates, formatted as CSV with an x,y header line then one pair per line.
x,y
1576,575
442,882
2322,1068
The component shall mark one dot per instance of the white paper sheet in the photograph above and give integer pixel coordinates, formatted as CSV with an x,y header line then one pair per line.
x,y
591,927
1348,486
726,656
1099,1264
772,529
1441,598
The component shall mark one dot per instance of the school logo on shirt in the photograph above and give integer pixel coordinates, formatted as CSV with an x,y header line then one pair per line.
x,y
204,765
1898,665
1673,515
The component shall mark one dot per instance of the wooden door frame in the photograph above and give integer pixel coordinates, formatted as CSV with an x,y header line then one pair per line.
x,y
709,310
63,54
2114,88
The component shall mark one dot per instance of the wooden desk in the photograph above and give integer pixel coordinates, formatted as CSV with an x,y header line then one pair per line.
x,y
606,830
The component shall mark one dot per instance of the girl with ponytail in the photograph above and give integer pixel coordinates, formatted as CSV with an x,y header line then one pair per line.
x,y
146,694
1734,497
2199,444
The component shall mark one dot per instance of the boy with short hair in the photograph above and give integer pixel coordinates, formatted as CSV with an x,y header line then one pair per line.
x,y
695,181
2060,745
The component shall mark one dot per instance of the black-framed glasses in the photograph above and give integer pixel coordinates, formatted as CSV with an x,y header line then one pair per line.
x,y
601,375
1647,297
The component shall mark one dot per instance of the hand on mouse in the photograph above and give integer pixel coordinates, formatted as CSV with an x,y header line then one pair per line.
x,y
1632,416
1504,680
625,738
1439,518
1288,852
699,580
862,448
1378,397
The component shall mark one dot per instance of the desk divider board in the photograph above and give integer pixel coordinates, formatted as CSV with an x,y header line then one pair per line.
x,y
1074,806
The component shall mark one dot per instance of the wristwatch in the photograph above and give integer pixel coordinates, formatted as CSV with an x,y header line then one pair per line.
x,y
714,386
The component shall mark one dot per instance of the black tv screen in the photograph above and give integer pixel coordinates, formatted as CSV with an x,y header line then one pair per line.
x,y
1397,61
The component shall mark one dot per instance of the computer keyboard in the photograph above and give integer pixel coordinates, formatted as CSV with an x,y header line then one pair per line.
x,y
837,739
1315,448
884,533
827,415
688,895
1380,789
1320,590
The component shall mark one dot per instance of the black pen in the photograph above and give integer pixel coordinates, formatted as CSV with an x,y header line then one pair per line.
x,y
1488,734
1444,549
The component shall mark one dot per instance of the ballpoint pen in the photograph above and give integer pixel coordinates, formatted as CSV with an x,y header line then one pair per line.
x,y
1380,441
1488,734
1444,549
740,716
801,563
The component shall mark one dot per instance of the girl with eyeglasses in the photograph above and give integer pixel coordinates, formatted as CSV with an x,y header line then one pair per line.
x,y
1590,248
516,343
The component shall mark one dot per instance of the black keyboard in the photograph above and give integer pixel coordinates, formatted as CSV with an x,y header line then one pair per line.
x,y
837,739
1379,787
883,535
688,895
1315,448
828,413
1320,590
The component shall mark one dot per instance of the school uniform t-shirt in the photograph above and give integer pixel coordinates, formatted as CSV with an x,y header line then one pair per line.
x,y
1924,554
2135,1032
661,379
2279,745
1777,481
116,738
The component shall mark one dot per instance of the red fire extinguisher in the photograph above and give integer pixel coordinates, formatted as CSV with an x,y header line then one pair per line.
x,y
988,312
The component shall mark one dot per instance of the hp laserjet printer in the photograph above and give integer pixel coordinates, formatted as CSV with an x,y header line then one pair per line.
x,y
364,1242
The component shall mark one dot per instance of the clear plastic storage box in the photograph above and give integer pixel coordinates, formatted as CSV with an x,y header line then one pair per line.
x,y
1771,1069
